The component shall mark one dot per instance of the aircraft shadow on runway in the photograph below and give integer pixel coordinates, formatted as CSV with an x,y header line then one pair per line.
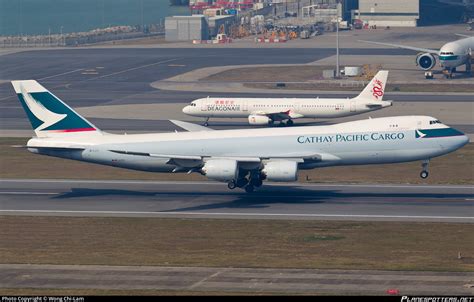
x,y
266,196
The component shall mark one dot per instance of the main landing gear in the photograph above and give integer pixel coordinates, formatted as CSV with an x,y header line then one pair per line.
x,y
249,186
424,165
288,123
448,73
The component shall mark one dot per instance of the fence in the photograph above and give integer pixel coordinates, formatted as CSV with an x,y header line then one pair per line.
x,y
75,39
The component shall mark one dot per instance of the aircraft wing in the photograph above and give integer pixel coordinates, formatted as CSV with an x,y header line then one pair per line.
x,y
432,51
190,126
280,115
183,162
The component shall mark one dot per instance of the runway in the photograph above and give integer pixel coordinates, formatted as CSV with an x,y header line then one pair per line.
x,y
121,76
213,200
212,279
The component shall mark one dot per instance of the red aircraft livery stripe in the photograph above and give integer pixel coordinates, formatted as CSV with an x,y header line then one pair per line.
x,y
75,130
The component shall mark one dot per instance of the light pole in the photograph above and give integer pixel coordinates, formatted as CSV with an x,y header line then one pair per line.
x,y
141,3
338,71
61,35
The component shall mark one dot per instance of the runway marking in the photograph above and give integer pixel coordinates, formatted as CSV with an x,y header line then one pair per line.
x,y
414,186
60,74
48,77
199,283
134,68
27,193
238,214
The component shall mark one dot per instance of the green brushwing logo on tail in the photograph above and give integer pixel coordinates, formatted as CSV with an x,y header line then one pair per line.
x,y
47,113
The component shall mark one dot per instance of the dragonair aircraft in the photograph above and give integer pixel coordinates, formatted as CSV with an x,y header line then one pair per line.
x,y
451,55
241,158
266,111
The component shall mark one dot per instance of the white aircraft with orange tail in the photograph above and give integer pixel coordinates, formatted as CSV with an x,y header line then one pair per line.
x,y
266,111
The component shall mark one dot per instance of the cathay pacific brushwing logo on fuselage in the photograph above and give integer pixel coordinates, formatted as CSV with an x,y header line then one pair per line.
x,y
48,118
419,134
437,133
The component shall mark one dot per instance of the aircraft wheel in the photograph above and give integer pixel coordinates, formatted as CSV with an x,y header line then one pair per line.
x,y
249,189
231,185
424,174
206,124
256,182
289,123
242,182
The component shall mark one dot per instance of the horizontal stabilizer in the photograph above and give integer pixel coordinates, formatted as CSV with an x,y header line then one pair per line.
x,y
374,105
464,36
55,148
190,126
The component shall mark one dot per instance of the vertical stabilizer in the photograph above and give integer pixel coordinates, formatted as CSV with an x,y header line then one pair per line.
x,y
48,115
375,90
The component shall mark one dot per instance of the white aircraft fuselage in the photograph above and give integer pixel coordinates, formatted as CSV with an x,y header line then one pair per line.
x,y
456,53
264,111
371,141
296,107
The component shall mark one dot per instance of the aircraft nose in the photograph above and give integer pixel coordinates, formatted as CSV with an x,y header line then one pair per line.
x,y
464,140
186,109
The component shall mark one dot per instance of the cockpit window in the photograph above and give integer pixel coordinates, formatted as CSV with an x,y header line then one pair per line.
x,y
193,104
435,122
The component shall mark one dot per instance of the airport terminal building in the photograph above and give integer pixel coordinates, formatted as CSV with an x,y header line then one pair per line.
x,y
383,13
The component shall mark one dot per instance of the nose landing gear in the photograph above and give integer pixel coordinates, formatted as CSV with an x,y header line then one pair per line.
x,y
424,165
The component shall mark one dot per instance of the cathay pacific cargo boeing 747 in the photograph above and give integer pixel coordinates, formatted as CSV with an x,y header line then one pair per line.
x,y
241,158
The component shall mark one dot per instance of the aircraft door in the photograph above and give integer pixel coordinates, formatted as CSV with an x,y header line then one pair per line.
x,y
245,106
353,106
204,104
296,106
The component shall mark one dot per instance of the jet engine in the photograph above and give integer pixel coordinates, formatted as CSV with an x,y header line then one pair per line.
x,y
426,61
221,169
281,170
259,120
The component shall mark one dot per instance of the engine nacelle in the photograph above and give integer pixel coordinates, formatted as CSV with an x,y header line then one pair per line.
x,y
426,61
221,169
259,120
281,170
